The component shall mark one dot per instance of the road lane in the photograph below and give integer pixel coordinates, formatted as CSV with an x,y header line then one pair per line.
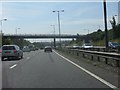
x,y
88,72
8,75
26,56
48,70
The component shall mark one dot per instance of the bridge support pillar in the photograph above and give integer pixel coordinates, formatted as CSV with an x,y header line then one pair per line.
x,y
54,43
0,39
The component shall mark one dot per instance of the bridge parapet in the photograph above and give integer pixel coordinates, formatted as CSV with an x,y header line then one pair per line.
x,y
42,36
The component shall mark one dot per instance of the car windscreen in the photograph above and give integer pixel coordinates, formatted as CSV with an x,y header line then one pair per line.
x,y
48,47
88,44
8,48
115,44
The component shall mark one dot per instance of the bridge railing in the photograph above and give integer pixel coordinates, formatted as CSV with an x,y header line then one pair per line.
x,y
38,35
41,36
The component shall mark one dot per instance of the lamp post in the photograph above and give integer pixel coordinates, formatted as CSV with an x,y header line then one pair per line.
x,y
16,30
54,35
59,23
1,22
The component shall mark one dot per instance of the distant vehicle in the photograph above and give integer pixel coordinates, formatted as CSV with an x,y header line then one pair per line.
x,y
36,48
113,45
76,47
48,49
87,45
31,47
11,51
68,47
41,48
26,49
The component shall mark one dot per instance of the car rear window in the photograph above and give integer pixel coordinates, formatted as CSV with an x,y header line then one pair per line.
x,y
8,48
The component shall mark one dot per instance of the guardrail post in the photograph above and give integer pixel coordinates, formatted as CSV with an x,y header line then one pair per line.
x,y
118,50
83,55
117,63
106,60
77,54
91,57
98,49
98,58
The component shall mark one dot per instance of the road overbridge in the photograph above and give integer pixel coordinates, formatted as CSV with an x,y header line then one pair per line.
x,y
44,36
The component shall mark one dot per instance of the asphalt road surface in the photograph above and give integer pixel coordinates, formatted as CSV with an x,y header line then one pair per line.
x,y
46,70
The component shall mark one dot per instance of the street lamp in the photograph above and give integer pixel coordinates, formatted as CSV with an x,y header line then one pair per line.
x,y
59,24
1,22
54,35
16,30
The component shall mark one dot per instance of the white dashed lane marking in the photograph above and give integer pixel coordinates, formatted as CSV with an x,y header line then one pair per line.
x,y
28,58
13,66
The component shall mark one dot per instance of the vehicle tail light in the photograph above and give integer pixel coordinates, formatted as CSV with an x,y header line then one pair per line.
x,y
0,51
15,51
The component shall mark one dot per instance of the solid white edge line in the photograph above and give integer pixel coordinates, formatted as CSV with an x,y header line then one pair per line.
x,y
88,72
13,66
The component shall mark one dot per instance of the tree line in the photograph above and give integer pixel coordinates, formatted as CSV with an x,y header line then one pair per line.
x,y
15,41
98,37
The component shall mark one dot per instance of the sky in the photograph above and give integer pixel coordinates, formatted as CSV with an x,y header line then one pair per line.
x,y
36,17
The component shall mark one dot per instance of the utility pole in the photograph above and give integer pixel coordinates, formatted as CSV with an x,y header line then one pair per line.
x,y
105,21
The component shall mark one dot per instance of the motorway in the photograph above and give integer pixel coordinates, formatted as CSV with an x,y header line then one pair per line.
x,y
46,70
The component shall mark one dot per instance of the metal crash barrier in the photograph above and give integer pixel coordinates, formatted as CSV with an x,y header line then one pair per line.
x,y
112,59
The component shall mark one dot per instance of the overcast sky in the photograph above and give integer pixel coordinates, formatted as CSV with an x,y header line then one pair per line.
x,y
35,17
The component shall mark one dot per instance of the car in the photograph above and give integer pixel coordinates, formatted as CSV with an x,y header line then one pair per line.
x,y
26,49
41,48
113,45
87,45
48,49
76,47
11,51
36,48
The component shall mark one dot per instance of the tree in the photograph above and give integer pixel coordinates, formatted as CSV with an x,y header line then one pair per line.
x,y
115,31
113,22
6,41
